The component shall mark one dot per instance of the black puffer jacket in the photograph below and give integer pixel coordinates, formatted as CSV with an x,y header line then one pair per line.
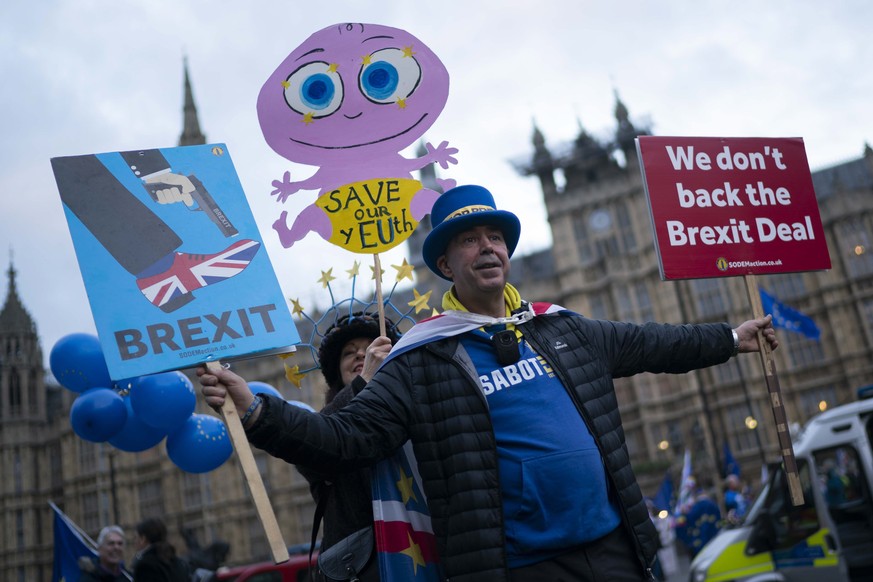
x,y
432,396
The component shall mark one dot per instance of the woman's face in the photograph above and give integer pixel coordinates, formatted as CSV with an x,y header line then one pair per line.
x,y
141,541
352,358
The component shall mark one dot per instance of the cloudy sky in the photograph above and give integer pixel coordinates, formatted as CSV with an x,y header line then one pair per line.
x,y
85,76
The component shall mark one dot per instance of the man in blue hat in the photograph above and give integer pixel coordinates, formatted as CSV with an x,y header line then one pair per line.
x,y
511,412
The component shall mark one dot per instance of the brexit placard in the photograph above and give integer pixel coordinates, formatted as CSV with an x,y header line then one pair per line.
x,y
172,260
731,206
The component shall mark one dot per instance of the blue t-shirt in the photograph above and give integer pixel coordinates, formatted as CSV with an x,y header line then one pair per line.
x,y
554,486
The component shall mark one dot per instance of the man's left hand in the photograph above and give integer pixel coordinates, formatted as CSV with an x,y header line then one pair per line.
x,y
748,334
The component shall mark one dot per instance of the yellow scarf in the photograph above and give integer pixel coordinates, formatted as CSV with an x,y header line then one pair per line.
x,y
511,298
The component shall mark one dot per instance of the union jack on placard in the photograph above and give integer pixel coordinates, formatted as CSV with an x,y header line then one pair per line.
x,y
171,288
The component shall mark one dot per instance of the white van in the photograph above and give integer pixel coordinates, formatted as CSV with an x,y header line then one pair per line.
x,y
830,536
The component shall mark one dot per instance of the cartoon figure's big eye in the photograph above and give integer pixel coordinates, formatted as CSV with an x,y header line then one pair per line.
x,y
391,74
315,88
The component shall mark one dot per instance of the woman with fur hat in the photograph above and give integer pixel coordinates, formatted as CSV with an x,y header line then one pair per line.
x,y
350,353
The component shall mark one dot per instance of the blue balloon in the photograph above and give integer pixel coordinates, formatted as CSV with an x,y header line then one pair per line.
x,y
136,436
98,414
163,401
77,362
263,388
200,445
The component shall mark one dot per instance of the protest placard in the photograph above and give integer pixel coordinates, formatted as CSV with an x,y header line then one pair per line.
x,y
176,272
172,259
723,207
731,206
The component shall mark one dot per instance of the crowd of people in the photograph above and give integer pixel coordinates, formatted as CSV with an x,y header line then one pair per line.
x,y
512,417
695,520
155,559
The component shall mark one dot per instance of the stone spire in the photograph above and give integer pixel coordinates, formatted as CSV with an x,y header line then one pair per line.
x,y
22,390
543,164
14,318
626,131
191,134
621,113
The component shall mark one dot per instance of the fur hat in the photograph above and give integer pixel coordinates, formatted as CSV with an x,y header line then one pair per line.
x,y
461,208
347,328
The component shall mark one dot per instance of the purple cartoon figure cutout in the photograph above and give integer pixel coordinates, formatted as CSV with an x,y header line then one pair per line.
x,y
349,100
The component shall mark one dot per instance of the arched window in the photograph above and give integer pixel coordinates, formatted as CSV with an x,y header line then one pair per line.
x,y
14,391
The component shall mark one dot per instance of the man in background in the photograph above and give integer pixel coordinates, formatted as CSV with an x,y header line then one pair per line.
x,y
107,566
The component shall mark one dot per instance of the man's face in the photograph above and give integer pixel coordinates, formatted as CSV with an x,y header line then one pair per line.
x,y
477,261
111,551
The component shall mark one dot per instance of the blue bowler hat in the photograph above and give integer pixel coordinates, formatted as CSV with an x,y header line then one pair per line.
x,y
459,209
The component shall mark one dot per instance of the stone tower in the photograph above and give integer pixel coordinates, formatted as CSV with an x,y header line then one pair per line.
x,y
29,444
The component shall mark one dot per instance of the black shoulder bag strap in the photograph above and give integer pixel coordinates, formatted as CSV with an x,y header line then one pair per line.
x,y
323,492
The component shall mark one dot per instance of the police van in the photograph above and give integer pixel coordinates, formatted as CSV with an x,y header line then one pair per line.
x,y
830,536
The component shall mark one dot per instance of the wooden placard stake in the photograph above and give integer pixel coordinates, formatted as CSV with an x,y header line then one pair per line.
x,y
776,402
377,273
253,478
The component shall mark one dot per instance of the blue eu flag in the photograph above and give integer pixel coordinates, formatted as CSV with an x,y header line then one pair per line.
x,y
69,546
663,499
787,318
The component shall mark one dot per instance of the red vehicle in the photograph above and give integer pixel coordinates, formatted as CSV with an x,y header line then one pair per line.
x,y
296,569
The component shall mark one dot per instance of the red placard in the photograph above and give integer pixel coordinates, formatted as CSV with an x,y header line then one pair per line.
x,y
724,207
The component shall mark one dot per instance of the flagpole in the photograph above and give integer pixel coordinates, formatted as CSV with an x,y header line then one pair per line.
x,y
73,525
768,364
